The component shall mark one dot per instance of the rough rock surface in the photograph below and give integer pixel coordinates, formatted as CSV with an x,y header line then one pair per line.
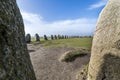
x,y
15,62
105,58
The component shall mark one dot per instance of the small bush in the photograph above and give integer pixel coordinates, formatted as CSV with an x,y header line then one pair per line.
x,y
72,55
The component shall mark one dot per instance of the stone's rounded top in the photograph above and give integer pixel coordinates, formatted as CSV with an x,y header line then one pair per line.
x,y
114,0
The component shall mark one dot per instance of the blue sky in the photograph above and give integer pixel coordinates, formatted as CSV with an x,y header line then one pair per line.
x,y
67,17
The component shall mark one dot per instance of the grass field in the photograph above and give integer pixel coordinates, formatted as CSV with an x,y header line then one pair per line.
x,y
71,42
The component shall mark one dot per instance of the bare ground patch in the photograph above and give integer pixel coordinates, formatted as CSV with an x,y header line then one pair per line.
x,y
48,67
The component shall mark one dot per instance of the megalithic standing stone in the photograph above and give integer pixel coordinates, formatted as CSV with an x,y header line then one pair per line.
x,y
37,37
15,61
28,38
52,37
45,37
105,58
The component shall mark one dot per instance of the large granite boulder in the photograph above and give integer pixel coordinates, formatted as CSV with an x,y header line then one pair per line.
x,y
105,58
15,61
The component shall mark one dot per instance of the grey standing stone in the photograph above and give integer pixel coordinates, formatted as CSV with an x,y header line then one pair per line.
x,y
37,37
105,58
52,37
45,37
15,61
65,37
28,38
55,36
59,37
62,36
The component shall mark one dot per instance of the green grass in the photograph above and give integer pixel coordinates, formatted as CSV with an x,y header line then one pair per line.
x,y
41,39
72,42
72,55
84,43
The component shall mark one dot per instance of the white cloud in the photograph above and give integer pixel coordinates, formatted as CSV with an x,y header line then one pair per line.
x,y
34,23
98,5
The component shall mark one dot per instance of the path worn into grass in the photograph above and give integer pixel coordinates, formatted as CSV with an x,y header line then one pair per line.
x,y
48,67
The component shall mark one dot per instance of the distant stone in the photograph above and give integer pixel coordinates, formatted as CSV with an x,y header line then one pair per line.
x,y
37,37
55,36
59,37
62,36
15,63
45,37
52,37
105,58
28,38
67,37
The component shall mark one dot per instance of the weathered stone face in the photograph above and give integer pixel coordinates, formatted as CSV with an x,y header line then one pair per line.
x,y
37,37
105,58
15,62
28,38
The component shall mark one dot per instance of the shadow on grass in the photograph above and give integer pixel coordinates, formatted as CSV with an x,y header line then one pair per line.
x,y
72,58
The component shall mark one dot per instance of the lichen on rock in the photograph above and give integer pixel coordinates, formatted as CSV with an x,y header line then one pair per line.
x,y
15,61
105,56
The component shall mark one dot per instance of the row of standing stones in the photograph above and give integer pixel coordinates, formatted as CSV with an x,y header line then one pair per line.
x,y
53,37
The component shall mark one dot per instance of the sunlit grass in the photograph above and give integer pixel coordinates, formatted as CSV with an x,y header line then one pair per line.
x,y
72,42
84,43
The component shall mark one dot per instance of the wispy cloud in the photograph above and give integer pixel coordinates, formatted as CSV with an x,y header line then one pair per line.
x,y
98,4
34,23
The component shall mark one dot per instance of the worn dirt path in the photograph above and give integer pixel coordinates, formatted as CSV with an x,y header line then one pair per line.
x,y
48,67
